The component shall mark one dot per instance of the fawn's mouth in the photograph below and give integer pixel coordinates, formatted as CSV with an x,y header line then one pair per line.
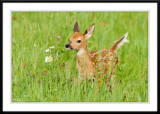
x,y
68,47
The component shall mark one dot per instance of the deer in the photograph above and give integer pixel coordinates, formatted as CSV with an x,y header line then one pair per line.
x,y
94,63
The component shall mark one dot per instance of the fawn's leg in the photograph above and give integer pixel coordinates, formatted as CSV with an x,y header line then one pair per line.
x,y
113,72
113,79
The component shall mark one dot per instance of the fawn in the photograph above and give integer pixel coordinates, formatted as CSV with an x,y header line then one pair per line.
x,y
94,63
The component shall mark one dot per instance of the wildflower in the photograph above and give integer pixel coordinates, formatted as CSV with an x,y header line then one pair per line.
x,y
99,80
51,47
70,79
38,80
103,22
48,59
45,72
63,64
33,75
131,53
24,65
102,82
106,80
55,76
58,37
107,83
47,50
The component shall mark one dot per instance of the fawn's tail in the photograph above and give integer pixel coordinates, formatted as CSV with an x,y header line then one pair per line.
x,y
119,43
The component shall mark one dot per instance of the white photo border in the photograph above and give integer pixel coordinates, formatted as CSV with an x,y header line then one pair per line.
x,y
151,105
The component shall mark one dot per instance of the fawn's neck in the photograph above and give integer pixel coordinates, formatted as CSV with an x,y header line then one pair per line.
x,y
84,62
83,54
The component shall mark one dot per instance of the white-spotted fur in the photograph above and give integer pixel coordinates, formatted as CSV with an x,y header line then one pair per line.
x,y
80,52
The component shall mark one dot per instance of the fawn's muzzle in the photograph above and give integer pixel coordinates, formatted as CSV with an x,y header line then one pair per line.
x,y
68,46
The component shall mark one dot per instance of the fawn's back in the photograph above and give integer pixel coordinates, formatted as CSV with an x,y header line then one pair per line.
x,y
104,61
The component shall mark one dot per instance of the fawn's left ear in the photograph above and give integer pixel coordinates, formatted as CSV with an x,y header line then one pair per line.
x,y
88,33
76,27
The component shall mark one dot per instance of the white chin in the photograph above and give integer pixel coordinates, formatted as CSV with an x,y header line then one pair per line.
x,y
68,48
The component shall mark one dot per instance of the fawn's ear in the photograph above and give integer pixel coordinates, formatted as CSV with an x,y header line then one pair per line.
x,y
76,27
88,33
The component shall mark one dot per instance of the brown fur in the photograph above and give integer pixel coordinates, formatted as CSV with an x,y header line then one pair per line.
x,y
94,63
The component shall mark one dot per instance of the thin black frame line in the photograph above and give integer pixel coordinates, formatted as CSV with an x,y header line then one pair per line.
x,y
79,1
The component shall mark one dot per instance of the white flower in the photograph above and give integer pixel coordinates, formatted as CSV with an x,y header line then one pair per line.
x,y
48,59
51,47
47,50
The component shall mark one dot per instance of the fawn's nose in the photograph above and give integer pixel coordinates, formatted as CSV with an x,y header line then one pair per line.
x,y
67,45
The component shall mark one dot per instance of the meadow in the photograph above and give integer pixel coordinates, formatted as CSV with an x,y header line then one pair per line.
x,y
36,78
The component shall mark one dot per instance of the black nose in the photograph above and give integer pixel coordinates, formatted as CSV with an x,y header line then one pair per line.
x,y
67,46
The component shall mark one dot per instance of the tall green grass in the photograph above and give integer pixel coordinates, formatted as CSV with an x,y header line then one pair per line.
x,y
34,32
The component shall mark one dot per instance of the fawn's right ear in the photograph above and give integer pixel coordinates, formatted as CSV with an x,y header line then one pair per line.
x,y
88,33
76,27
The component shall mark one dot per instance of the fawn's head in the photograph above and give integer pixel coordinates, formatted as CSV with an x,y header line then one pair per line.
x,y
78,40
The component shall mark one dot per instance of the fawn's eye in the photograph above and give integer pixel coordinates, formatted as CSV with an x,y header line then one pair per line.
x,y
78,41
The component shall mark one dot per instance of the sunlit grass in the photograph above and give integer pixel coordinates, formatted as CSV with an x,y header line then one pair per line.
x,y
34,80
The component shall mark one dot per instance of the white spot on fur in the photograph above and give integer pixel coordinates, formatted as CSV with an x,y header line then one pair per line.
x,y
92,55
80,52
111,58
107,55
